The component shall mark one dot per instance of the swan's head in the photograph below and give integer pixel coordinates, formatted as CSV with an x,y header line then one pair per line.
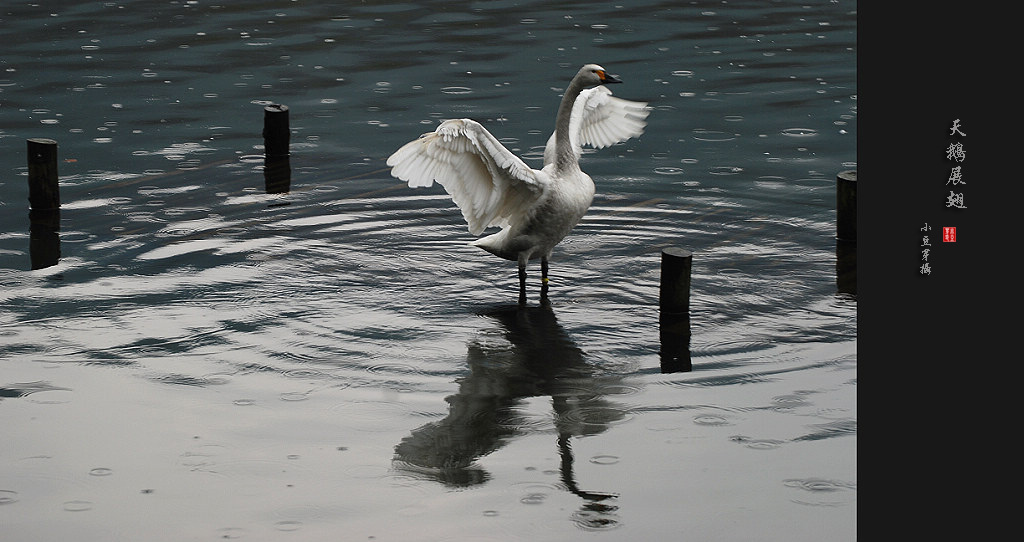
x,y
592,75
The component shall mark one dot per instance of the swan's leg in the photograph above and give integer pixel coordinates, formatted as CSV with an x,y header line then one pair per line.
x,y
544,278
522,280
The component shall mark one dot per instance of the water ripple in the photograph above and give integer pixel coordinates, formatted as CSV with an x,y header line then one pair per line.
x,y
8,497
350,302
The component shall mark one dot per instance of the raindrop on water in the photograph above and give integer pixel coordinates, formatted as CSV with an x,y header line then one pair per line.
x,y
799,132
604,459
8,497
77,506
533,498
710,419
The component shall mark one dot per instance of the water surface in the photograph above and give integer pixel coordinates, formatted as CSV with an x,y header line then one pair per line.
x,y
189,355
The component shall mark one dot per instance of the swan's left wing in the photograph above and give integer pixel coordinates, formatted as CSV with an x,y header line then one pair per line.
x,y
600,120
486,181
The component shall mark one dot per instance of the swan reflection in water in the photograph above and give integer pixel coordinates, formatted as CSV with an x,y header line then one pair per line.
x,y
536,358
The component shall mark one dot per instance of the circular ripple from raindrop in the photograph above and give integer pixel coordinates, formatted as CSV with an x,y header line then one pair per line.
x,y
713,135
77,506
8,497
533,498
711,420
230,533
288,526
605,459
725,170
789,401
596,517
533,492
389,369
619,389
818,484
304,373
756,444
799,132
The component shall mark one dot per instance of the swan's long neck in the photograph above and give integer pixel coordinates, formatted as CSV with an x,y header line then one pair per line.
x,y
565,155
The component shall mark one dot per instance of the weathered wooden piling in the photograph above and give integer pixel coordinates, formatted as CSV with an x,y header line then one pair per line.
x,y
43,190
846,267
846,205
846,232
674,304
277,168
674,333
276,132
277,174
44,239
674,296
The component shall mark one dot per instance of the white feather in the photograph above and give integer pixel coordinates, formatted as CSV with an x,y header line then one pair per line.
x,y
484,178
535,209
601,120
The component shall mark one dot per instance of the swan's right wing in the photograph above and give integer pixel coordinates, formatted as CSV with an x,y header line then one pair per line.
x,y
486,181
600,120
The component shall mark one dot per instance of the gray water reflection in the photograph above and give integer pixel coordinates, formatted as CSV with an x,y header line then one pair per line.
x,y
191,278
539,359
44,238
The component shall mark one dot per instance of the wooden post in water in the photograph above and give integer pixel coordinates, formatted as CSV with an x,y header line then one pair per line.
x,y
277,169
43,190
44,203
846,232
276,132
846,205
674,297
44,238
674,303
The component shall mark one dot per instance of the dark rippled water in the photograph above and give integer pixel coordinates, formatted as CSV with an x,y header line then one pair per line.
x,y
190,355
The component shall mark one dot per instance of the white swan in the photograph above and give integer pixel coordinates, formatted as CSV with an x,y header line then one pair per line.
x,y
493,187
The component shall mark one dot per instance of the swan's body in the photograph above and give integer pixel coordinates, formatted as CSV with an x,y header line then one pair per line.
x,y
535,208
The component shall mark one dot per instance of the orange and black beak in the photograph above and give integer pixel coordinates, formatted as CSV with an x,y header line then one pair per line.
x,y
608,78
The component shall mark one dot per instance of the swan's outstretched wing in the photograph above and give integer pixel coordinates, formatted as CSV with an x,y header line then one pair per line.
x,y
600,120
486,181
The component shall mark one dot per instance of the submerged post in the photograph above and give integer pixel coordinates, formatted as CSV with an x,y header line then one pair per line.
x,y
674,302
43,190
277,175
846,232
674,297
846,205
276,133
277,169
44,238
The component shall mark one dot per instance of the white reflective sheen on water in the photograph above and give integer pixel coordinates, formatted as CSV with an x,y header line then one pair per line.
x,y
195,348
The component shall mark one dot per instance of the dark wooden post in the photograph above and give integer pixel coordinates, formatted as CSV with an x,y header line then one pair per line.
x,y
44,239
674,303
846,206
846,232
674,297
276,132
277,174
277,168
43,189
